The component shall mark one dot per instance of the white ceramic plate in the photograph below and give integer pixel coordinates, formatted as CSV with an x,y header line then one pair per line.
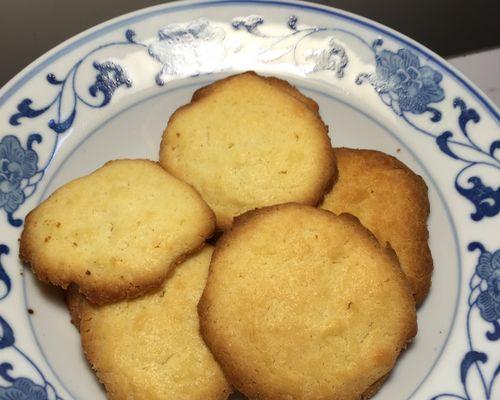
x,y
108,93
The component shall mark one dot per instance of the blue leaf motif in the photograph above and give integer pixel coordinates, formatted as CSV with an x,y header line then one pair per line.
x,y
130,36
51,78
494,146
62,126
466,115
26,111
6,334
495,334
33,138
442,142
473,246
485,199
469,359
436,114
16,222
5,368
4,278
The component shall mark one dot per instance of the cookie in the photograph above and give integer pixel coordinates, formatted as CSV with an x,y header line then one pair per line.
x,y
276,82
293,91
303,304
117,232
150,348
391,201
247,142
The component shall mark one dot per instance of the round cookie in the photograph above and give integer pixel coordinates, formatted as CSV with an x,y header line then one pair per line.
x,y
150,348
391,201
276,82
302,304
248,141
293,91
117,232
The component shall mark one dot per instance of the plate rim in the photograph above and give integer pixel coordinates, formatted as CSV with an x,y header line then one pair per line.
x,y
27,73
33,69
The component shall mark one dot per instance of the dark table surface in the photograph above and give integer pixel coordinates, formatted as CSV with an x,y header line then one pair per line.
x,y
28,28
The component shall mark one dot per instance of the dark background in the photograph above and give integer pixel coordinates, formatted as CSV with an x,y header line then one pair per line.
x,y
28,28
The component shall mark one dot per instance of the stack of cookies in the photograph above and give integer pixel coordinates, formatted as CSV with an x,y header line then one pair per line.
x,y
310,290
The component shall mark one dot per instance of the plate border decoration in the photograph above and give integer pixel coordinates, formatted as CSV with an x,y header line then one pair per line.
x,y
483,286
404,81
34,387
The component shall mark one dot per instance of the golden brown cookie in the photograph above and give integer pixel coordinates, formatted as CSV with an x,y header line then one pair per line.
x,y
293,91
276,82
117,232
391,201
150,348
303,304
247,142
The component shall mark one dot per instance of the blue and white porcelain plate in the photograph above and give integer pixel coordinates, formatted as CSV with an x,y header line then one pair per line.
x,y
108,92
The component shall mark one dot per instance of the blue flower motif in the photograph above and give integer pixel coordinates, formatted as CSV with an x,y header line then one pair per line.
x,y
333,58
110,77
404,84
188,48
23,389
16,164
488,269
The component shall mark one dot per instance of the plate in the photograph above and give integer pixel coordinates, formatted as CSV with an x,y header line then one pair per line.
x,y
108,92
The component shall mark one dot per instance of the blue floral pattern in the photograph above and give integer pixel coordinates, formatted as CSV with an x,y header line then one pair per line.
x,y
331,57
409,87
403,81
484,288
404,84
486,199
109,77
488,301
188,49
18,388
20,172
18,166
23,389
195,47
